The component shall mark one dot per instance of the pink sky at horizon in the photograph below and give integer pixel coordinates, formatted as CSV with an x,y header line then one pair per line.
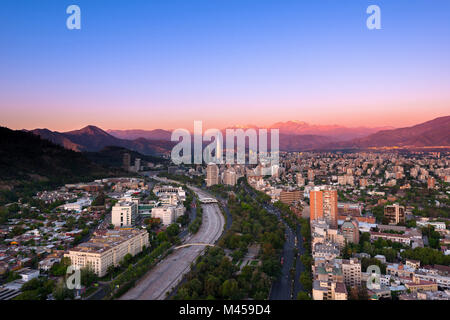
x,y
40,111
393,119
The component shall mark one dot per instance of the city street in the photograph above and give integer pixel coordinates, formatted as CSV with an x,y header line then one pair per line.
x,y
283,288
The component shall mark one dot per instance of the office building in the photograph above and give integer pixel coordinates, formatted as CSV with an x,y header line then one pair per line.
x,y
212,175
229,177
168,214
126,161
124,214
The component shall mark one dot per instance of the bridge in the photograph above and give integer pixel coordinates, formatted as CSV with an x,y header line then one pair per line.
x,y
208,200
195,244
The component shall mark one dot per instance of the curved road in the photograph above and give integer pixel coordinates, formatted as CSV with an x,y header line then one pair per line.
x,y
169,272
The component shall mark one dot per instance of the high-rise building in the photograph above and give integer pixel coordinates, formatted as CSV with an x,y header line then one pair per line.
x,y
395,213
300,180
124,214
212,175
315,205
311,175
126,161
330,208
431,182
323,204
229,177
137,164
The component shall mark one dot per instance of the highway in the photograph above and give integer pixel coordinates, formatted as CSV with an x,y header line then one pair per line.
x,y
169,272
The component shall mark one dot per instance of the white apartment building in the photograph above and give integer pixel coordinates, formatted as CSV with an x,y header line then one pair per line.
x,y
229,177
352,272
212,175
107,248
124,214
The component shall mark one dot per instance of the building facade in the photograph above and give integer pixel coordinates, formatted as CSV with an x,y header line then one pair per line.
x,y
124,214
107,248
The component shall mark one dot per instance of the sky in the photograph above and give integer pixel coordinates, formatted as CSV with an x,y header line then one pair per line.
x,y
165,63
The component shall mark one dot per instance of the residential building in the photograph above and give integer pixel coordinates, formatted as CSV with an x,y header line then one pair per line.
x,y
352,272
395,213
212,175
107,248
350,230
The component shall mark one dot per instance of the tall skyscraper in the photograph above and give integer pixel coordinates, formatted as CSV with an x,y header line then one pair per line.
x,y
229,177
137,164
323,205
315,205
330,207
212,175
126,161
431,182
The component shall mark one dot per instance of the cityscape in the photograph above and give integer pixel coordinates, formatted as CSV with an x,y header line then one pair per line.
x,y
115,184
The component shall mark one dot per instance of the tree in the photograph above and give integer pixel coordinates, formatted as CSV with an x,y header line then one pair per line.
x,y
88,276
99,200
28,295
306,281
358,293
212,285
110,270
162,236
33,284
60,269
173,230
230,289
366,262
303,296
61,292
195,287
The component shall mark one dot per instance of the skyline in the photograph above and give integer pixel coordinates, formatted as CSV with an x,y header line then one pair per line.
x,y
162,65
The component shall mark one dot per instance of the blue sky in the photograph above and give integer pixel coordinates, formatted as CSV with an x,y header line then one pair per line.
x,y
149,64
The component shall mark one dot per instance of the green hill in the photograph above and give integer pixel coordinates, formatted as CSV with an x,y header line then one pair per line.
x,y
112,156
29,163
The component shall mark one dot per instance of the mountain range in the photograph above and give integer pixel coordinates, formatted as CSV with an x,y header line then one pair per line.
x,y
93,139
434,133
29,163
294,136
336,132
